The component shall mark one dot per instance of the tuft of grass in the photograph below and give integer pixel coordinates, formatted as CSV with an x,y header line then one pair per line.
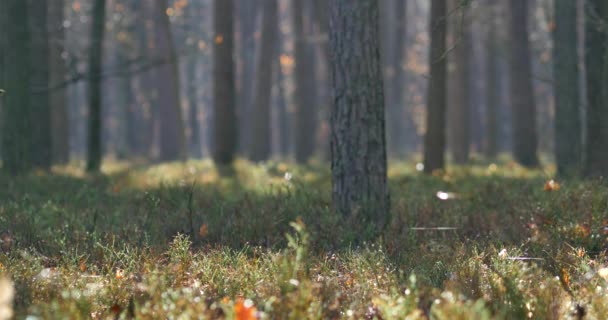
x,y
184,240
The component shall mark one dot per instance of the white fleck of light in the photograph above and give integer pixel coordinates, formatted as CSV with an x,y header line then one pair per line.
x,y
419,166
288,176
603,272
443,195
248,303
294,282
350,313
503,253
407,292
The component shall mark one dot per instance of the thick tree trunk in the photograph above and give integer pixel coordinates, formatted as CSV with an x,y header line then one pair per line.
x,y
568,140
358,143
305,91
225,125
434,139
525,141
94,151
39,84
16,116
172,133
596,162
460,85
261,138
58,100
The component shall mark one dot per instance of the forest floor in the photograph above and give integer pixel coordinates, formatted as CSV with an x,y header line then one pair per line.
x,y
177,241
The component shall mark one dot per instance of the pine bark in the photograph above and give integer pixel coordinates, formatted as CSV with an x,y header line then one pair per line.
x,y
568,139
172,133
305,90
261,137
358,143
525,141
16,116
460,84
58,99
492,89
94,151
39,85
596,156
434,139
225,121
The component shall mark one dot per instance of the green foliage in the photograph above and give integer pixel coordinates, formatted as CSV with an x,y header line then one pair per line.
x,y
266,244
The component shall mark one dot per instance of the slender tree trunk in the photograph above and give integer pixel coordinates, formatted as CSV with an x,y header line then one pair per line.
x,y
304,92
492,89
247,12
434,139
58,100
193,106
460,86
596,162
225,126
396,109
261,138
39,84
285,131
172,133
358,143
16,116
568,148
94,151
525,141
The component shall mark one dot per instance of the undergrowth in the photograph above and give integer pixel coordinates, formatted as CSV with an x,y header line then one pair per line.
x,y
181,241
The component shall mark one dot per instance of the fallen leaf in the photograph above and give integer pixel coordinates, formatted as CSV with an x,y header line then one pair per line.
x,y
245,310
203,231
552,185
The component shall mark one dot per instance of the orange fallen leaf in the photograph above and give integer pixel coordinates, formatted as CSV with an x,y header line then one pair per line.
x,y
245,310
552,185
203,231
120,274
565,278
82,265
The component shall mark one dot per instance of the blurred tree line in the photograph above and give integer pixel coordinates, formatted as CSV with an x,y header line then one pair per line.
x,y
165,80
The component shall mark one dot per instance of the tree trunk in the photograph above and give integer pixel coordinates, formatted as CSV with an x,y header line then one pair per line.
x,y
567,98
17,134
225,125
39,84
460,86
525,140
492,88
58,70
596,163
261,138
196,147
395,106
358,143
94,152
247,12
172,133
304,91
434,139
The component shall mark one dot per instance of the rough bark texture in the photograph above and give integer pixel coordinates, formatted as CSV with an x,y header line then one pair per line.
x,y
39,84
172,133
358,144
225,125
58,100
460,85
261,138
492,90
525,141
304,91
567,97
16,137
596,162
434,139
